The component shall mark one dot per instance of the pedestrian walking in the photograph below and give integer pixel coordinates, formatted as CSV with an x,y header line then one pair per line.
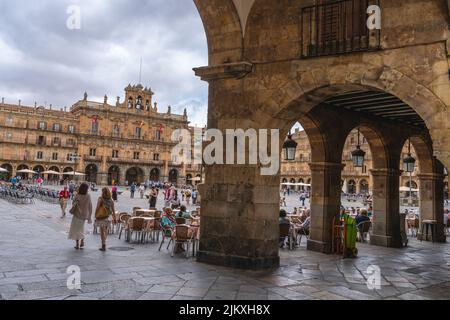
x,y
153,197
141,191
114,193
64,196
132,190
82,212
103,213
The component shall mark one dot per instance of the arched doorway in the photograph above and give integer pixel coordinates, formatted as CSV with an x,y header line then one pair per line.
x,y
413,185
154,175
6,176
301,180
91,173
67,177
364,187
135,175
23,176
54,178
351,187
173,176
189,179
113,175
39,170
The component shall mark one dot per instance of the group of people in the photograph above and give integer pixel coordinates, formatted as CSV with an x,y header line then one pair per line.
x,y
82,212
300,226
174,197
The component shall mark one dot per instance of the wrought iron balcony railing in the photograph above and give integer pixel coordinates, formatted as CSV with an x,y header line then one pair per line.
x,y
337,27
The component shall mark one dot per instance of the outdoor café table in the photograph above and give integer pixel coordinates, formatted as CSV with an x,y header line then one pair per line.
x,y
140,212
146,221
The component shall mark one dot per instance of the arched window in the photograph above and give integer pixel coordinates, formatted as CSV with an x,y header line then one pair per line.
x,y
147,105
130,103
139,103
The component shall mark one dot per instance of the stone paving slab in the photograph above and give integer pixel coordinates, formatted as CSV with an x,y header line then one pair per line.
x,y
33,264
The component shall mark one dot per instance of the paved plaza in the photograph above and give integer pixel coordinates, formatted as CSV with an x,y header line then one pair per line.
x,y
35,255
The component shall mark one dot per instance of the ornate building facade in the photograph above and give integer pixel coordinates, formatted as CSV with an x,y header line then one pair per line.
x,y
125,142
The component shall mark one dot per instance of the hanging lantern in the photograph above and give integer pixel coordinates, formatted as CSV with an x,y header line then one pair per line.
x,y
289,148
358,155
409,163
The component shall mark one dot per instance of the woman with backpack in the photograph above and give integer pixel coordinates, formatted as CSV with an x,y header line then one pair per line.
x,y
105,210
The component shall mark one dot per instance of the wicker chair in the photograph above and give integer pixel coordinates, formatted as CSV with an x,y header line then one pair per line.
x,y
136,226
180,221
167,233
363,230
286,232
123,220
183,236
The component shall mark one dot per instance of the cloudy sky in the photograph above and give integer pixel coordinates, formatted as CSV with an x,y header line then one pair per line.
x,y
42,60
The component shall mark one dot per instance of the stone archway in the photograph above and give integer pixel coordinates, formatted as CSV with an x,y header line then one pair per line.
x,y
6,176
155,174
351,186
67,177
364,186
173,176
24,176
91,173
189,179
113,175
39,169
135,175
278,89
55,178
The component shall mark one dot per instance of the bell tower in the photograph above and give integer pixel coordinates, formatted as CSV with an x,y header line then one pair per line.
x,y
138,98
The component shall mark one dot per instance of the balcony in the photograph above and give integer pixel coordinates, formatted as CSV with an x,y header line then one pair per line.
x,y
338,27
122,160
93,158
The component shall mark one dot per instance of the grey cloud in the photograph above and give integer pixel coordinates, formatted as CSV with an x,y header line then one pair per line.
x,y
48,62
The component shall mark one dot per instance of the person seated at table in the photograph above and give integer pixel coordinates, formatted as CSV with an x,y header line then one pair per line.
x,y
283,220
362,217
304,227
295,212
168,222
183,213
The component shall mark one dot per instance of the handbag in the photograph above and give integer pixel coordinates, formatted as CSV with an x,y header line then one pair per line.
x,y
101,213
74,208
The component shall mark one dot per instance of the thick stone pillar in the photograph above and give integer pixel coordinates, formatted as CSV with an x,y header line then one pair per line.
x,y
122,176
386,208
432,203
240,210
325,204
103,178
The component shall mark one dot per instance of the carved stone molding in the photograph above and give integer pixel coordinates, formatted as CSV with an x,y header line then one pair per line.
x,y
236,70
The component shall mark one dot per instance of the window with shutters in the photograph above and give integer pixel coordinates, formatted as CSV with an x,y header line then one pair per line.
x,y
337,26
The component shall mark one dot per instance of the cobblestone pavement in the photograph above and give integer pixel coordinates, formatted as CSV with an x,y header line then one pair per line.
x,y
35,254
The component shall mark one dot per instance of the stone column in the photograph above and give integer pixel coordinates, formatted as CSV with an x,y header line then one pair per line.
x,y
325,204
122,176
240,210
386,208
432,203
165,176
103,178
